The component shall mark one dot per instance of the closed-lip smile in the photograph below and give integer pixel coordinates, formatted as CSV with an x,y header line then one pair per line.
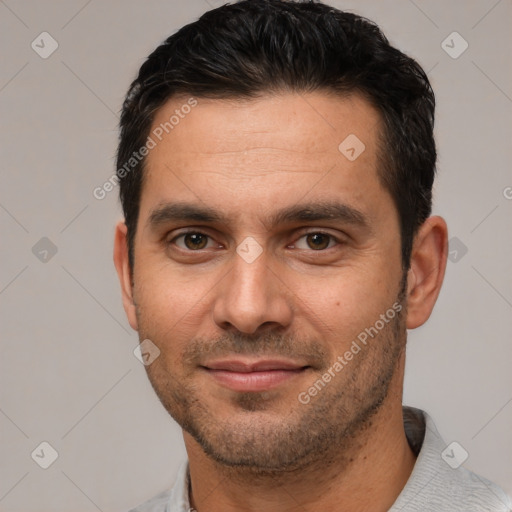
x,y
253,375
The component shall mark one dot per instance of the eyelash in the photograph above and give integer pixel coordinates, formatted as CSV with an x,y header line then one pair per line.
x,y
323,233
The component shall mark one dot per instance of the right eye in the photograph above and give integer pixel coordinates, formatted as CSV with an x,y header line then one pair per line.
x,y
191,241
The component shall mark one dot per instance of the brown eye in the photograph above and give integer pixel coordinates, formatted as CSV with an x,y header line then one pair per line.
x,y
318,241
192,241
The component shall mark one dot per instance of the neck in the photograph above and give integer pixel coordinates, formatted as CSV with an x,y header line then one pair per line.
x,y
369,476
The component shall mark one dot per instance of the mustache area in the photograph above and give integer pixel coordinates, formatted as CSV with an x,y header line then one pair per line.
x,y
270,345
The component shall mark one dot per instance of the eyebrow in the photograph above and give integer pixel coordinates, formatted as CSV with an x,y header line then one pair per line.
x,y
314,211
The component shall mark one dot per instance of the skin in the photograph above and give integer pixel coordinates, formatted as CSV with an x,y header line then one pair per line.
x,y
304,299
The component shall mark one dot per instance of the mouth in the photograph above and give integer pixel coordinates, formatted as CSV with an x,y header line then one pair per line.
x,y
260,375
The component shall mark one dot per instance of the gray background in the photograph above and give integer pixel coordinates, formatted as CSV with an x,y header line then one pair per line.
x,y
68,373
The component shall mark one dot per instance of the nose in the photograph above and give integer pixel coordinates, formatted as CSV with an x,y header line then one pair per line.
x,y
252,298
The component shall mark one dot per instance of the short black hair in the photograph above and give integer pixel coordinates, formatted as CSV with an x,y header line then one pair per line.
x,y
256,47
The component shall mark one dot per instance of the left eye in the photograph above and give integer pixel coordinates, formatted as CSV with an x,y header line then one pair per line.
x,y
316,241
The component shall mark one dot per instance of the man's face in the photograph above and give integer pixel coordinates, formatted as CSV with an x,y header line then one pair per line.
x,y
257,302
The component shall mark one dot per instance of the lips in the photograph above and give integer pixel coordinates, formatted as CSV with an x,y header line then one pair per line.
x,y
258,375
254,366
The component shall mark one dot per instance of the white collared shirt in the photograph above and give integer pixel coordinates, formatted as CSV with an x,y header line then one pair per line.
x,y
437,483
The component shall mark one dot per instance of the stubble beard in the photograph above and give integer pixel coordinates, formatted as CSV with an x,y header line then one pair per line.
x,y
266,444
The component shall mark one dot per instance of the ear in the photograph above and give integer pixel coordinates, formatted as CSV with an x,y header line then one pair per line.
x,y
426,273
124,273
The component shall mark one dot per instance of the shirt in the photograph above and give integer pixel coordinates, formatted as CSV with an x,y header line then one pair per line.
x,y
438,483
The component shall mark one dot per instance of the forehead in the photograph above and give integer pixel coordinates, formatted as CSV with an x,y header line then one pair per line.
x,y
257,153
322,119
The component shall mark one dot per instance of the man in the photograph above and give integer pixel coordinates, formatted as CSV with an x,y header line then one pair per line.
x,y
276,162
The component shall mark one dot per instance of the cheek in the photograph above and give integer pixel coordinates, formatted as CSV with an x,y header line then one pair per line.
x,y
168,305
344,304
176,304
168,293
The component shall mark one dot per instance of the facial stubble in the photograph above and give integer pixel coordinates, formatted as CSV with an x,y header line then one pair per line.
x,y
269,436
